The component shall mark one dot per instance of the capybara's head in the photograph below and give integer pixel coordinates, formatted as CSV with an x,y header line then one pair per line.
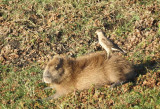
x,y
54,70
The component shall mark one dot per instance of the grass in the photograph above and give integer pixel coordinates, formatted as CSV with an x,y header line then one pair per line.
x,y
46,27
20,89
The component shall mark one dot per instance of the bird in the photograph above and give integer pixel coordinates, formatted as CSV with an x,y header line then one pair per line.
x,y
107,44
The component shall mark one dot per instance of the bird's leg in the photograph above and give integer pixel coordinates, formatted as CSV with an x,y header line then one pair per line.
x,y
109,53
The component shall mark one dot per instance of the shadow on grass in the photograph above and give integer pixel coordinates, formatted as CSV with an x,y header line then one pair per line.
x,y
141,69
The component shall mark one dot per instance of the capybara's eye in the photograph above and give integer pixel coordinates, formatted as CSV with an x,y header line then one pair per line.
x,y
56,67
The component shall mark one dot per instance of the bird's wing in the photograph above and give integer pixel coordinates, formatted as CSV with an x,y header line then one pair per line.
x,y
106,42
116,48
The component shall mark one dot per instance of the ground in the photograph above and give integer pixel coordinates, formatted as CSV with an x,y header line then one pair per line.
x,y
33,31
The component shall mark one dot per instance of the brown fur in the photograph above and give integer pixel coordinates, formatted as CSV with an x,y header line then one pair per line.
x,y
67,74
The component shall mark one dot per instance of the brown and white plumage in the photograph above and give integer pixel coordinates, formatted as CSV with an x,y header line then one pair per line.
x,y
107,44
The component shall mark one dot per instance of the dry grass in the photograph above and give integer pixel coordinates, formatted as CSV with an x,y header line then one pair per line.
x,y
32,31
